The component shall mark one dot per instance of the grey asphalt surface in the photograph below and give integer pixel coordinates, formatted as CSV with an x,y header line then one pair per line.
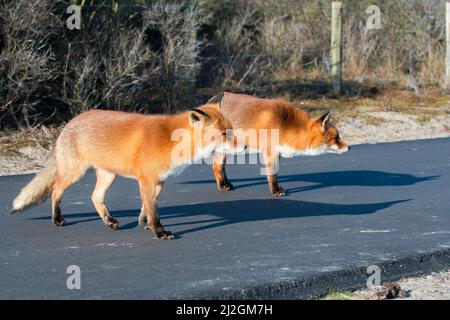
x,y
385,204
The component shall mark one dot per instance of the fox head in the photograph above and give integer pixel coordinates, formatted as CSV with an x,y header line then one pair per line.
x,y
320,137
212,131
325,137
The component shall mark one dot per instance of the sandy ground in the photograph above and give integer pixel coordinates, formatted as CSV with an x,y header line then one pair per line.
x,y
30,160
382,126
430,287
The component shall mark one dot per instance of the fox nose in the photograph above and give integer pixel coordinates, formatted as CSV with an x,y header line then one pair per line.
x,y
245,147
349,148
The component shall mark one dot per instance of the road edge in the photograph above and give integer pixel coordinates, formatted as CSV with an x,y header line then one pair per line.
x,y
318,284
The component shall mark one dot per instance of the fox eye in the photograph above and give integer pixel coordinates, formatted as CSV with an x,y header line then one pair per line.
x,y
334,136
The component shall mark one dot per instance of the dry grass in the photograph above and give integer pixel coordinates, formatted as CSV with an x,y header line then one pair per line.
x,y
153,56
428,104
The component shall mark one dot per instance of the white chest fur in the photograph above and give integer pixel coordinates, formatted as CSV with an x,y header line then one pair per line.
x,y
288,152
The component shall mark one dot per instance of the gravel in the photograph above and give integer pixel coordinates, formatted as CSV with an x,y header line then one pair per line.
x,y
431,287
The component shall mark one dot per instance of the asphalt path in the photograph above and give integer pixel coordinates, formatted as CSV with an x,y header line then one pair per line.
x,y
384,204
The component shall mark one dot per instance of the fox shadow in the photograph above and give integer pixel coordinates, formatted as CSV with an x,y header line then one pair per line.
x,y
238,211
356,178
219,214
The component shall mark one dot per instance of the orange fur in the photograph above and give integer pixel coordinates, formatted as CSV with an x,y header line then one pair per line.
x,y
126,144
298,133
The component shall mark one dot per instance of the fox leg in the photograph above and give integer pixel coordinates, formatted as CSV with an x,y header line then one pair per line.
x,y
64,180
276,190
104,180
271,164
57,217
148,195
219,172
143,215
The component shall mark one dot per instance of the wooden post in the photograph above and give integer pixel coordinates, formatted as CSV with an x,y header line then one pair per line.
x,y
447,46
336,46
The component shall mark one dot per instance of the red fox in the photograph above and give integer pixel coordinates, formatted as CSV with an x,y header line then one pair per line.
x,y
298,134
127,144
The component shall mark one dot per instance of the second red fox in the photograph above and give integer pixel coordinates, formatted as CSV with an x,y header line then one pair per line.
x,y
299,134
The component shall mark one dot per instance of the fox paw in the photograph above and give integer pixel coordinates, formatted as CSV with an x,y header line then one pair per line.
x,y
143,223
279,192
160,233
111,223
164,235
59,221
225,186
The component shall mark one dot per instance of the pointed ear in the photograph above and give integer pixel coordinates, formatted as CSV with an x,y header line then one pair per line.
x,y
325,119
221,102
216,99
199,118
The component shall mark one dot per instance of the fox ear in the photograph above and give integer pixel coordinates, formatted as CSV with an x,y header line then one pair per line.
x,y
221,102
217,98
325,119
199,118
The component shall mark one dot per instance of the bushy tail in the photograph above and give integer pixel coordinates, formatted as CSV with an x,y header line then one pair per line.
x,y
39,189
